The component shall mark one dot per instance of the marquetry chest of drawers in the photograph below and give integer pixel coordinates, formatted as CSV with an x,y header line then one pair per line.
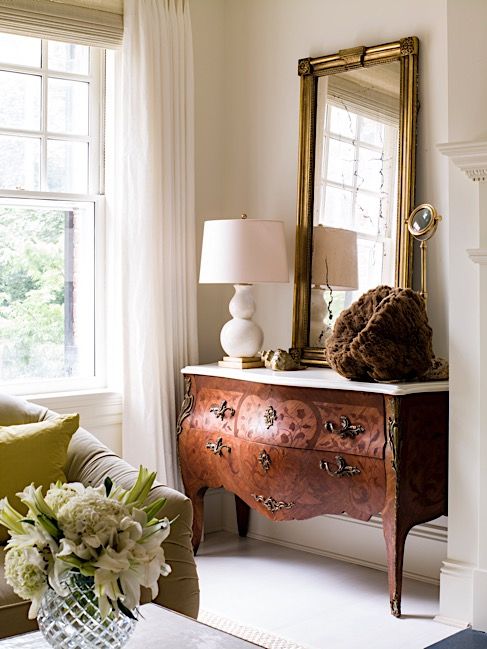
x,y
293,445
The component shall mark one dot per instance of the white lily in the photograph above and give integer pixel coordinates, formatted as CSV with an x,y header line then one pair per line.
x,y
36,603
10,517
107,590
113,561
33,498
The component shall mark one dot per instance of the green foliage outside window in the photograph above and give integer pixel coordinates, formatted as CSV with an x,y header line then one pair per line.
x,y
31,293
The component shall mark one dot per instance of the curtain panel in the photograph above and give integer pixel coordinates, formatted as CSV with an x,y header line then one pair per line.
x,y
156,222
89,22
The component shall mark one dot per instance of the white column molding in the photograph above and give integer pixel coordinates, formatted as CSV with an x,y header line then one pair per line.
x,y
470,157
456,594
478,255
463,581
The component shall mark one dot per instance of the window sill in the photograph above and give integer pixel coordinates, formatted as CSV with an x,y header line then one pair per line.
x,y
97,408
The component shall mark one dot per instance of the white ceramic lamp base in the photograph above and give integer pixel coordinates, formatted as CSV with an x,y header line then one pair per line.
x,y
240,337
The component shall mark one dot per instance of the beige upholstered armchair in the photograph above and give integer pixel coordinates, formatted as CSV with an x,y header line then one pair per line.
x,y
90,462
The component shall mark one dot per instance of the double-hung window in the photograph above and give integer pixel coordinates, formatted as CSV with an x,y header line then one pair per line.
x,y
51,214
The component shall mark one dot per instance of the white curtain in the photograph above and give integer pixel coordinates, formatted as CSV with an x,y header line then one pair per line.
x,y
157,227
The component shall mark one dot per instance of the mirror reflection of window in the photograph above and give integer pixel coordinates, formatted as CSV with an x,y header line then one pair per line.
x,y
356,167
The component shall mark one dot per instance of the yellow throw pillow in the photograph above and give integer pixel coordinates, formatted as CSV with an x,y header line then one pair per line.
x,y
33,453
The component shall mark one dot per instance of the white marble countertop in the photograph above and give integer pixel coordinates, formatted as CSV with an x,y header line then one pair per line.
x,y
315,378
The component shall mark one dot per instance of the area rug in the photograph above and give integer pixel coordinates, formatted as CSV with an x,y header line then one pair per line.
x,y
467,639
257,636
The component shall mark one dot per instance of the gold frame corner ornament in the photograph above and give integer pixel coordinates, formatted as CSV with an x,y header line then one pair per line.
x,y
186,406
304,67
405,51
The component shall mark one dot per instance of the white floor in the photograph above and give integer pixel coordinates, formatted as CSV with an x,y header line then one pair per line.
x,y
317,602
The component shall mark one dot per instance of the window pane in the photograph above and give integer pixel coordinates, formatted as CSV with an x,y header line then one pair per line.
x,y
370,217
370,261
67,166
371,132
370,172
67,107
342,122
20,50
338,208
68,57
19,162
341,162
20,101
46,292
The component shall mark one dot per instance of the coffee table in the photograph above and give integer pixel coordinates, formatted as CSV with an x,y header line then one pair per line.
x,y
159,627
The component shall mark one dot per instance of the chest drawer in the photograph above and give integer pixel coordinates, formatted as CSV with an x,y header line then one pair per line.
x,y
313,419
216,405
285,483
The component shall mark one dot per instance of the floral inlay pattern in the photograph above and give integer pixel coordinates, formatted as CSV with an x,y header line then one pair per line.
x,y
295,424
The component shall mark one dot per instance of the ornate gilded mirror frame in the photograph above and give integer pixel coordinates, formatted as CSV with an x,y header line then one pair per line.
x,y
405,51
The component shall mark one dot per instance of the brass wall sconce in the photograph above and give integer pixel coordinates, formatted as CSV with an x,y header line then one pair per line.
x,y
422,224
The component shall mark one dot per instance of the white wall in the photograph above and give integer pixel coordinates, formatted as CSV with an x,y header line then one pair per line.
x,y
207,17
246,54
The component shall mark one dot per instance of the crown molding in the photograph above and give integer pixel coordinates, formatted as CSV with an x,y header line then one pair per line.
x,y
470,157
478,255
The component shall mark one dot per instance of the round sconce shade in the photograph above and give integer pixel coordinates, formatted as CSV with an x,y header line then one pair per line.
x,y
243,251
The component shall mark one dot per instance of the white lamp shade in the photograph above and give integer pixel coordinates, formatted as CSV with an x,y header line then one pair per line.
x,y
334,259
243,251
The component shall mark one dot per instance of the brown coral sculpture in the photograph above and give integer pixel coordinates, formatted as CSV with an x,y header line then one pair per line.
x,y
384,336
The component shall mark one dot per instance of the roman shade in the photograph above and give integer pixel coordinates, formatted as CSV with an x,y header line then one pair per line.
x,y
89,22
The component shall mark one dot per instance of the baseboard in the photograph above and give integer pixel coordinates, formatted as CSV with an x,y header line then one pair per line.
x,y
479,619
456,593
340,557
459,624
341,538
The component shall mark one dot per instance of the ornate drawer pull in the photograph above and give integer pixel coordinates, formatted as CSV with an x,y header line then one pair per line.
x,y
270,416
343,469
217,447
219,411
346,428
271,504
265,459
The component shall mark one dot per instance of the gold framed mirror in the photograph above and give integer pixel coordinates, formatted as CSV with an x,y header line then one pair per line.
x,y
357,135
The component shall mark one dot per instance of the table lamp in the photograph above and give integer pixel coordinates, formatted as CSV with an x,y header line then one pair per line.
x,y
333,268
243,252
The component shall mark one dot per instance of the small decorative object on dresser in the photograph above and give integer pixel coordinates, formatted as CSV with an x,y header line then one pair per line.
x,y
280,360
243,252
294,445
81,555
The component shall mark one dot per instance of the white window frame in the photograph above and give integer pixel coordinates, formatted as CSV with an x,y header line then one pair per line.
x,y
95,195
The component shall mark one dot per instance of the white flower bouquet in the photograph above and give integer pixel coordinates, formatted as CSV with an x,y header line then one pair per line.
x,y
109,536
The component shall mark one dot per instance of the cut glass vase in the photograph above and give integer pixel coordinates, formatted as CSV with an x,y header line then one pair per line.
x,y
74,621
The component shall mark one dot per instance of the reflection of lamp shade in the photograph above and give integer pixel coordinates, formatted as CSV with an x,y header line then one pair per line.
x,y
243,251
334,259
